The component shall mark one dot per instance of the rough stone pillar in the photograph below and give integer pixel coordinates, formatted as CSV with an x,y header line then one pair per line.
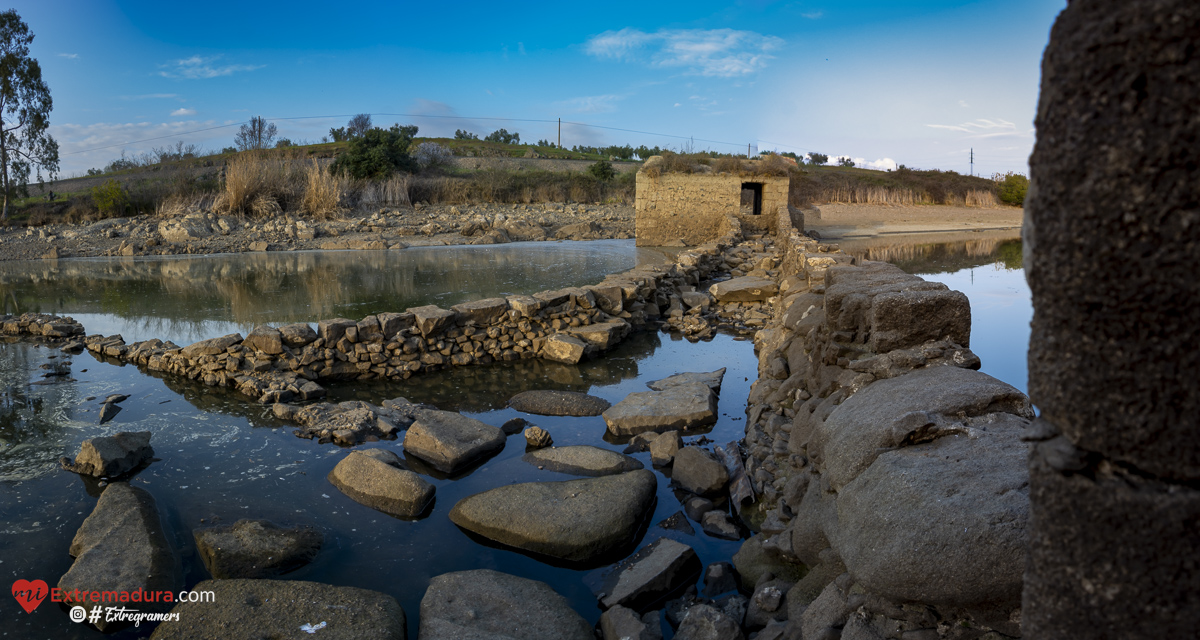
x,y
1113,242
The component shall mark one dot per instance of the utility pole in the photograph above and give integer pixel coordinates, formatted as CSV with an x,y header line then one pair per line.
x,y
972,161
560,133
748,150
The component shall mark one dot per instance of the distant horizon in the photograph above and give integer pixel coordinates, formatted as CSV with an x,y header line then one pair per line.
x,y
918,84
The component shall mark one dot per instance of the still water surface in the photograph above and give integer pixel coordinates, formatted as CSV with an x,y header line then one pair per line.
x,y
222,459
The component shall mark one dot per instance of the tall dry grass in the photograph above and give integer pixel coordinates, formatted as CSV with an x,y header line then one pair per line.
x,y
323,192
390,192
260,183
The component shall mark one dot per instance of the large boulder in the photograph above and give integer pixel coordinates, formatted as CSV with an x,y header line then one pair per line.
x,y
942,522
698,471
431,319
573,520
264,339
558,403
485,604
914,408
583,460
648,576
564,348
334,329
211,347
602,335
121,546
255,548
297,334
620,623
706,622
713,379
449,441
111,456
744,289
285,609
377,482
684,406
480,312
184,230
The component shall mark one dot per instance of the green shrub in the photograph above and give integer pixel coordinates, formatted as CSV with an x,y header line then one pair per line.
x,y
378,153
603,171
110,198
1013,187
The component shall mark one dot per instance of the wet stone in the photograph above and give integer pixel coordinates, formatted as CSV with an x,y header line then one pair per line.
x,y
255,548
558,403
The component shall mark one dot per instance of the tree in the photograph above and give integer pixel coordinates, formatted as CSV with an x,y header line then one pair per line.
x,y
459,134
378,153
256,134
504,137
1013,187
358,125
845,162
817,158
339,134
602,170
25,106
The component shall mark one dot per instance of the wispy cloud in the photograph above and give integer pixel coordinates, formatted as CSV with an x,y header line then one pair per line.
x,y
590,104
982,128
963,103
708,52
183,111
199,67
813,15
440,119
75,140
69,56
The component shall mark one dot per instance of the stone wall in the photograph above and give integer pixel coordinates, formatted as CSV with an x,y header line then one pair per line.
x,y
886,470
694,207
288,363
1112,235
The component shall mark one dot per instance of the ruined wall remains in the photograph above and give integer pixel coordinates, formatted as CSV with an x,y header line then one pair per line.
x,y
889,474
694,207
1112,235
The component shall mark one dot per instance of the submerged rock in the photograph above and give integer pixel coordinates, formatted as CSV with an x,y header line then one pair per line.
x,y
255,548
479,604
285,609
377,482
680,407
120,546
583,460
111,456
620,623
574,520
450,441
713,379
705,622
558,403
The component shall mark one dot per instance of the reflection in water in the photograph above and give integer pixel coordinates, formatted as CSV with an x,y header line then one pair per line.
x,y
925,254
185,299
32,411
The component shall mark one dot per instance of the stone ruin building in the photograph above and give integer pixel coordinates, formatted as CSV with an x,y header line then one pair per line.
x,y
695,208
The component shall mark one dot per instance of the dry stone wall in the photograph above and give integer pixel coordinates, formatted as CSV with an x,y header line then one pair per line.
x,y
886,470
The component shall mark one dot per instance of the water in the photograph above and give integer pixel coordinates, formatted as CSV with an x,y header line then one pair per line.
x,y
222,459
190,298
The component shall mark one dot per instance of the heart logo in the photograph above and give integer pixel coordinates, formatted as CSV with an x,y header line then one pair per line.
x,y
30,594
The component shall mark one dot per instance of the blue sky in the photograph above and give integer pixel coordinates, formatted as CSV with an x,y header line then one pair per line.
x,y
917,83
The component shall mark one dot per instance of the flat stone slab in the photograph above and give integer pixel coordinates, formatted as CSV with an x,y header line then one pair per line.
x,y
285,609
647,576
558,403
713,379
121,546
255,548
574,520
375,479
481,312
450,441
431,319
602,335
111,456
744,289
583,460
489,605
564,348
684,406
211,347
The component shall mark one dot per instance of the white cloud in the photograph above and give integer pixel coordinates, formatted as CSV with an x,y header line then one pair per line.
x,y
151,96
69,56
709,52
982,129
883,164
183,111
84,146
963,103
590,104
198,67
521,48
813,15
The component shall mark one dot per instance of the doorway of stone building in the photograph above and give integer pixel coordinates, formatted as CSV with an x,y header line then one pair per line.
x,y
752,194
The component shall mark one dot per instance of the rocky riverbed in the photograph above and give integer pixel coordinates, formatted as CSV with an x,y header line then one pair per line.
x,y
206,232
